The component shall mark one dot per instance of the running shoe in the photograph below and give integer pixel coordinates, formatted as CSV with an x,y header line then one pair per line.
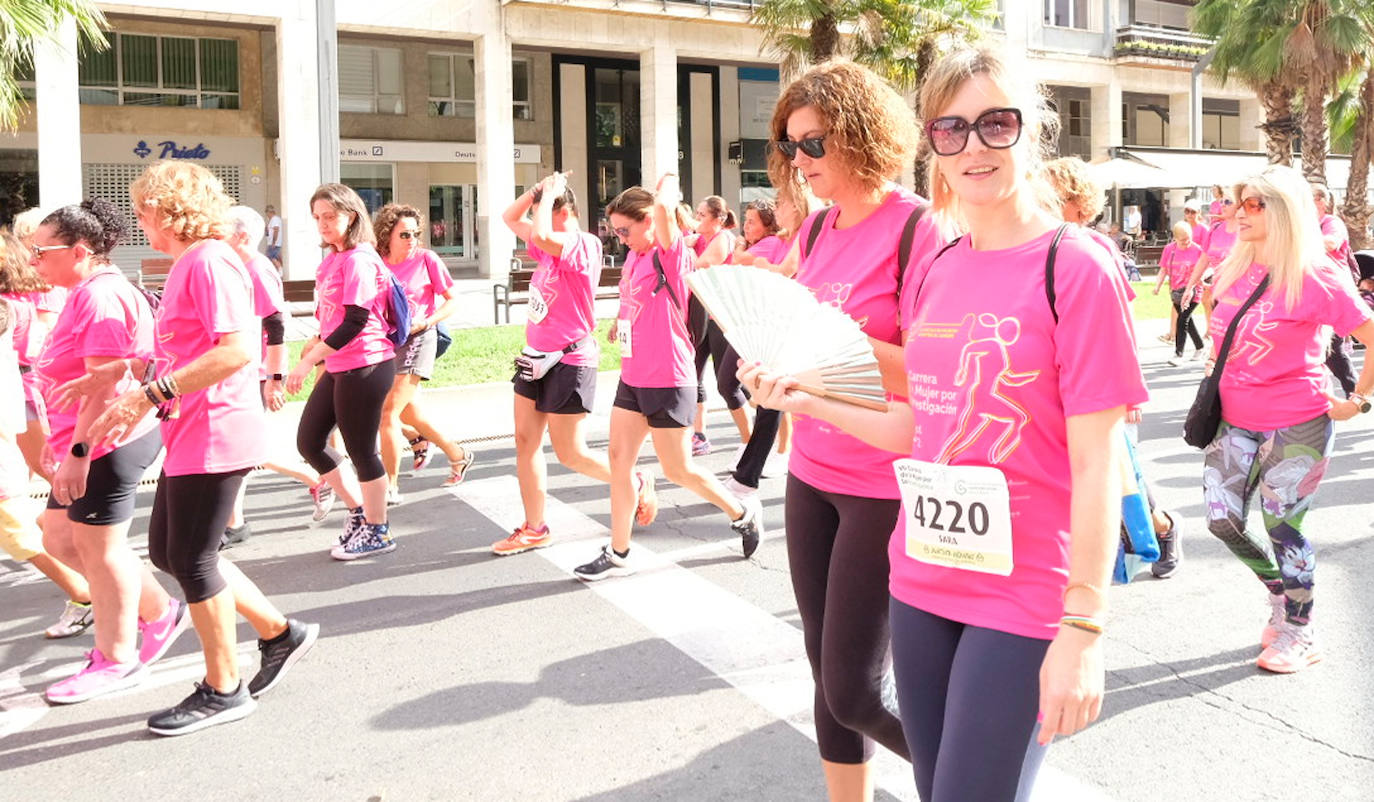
x,y
100,676
524,538
750,525
282,652
322,495
159,635
646,500
419,454
1200,354
1278,614
607,564
75,618
370,541
234,535
700,445
1170,550
355,521
393,495
739,489
459,469
1294,649
205,707
1176,360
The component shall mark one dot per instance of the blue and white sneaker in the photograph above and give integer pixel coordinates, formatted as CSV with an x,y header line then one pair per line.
x,y
355,521
371,540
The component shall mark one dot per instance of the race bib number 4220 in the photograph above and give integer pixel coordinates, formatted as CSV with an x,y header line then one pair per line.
x,y
957,516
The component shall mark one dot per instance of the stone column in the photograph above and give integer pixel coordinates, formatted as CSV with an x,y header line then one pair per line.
x,y
299,128
495,145
658,111
1180,131
58,118
1106,118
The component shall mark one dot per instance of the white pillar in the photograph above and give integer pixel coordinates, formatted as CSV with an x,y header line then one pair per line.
x,y
298,109
729,132
495,145
59,119
1251,116
658,111
1106,118
1179,134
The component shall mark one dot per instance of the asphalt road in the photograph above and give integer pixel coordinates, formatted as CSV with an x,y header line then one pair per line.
x,y
444,673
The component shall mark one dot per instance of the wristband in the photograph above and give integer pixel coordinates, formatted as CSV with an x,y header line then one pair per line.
x,y
1082,622
276,377
152,397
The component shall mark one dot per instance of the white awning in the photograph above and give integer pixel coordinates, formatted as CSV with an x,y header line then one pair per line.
x,y
1203,168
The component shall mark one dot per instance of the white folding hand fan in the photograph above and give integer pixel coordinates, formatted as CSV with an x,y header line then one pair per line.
x,y
779,323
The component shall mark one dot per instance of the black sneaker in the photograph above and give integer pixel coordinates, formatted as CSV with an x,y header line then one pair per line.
x,y
204,708
606,564
282,652
1170,550
750,525
234,535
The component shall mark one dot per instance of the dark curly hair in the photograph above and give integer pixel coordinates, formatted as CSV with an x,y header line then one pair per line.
x,y
385,222
16,274
95,223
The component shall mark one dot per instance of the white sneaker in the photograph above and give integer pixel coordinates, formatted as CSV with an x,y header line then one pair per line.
x,y
1175,361
74,620
393,496
1200,354
607,564
738,489
775,465
1294,649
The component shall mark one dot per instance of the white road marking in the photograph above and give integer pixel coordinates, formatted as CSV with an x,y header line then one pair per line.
x,y
760,655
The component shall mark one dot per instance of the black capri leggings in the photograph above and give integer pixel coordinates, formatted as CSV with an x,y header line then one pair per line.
x,y
969,698
351,400
837,552
724,358
189,515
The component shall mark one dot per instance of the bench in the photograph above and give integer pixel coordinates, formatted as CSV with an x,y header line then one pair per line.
x,y
517,286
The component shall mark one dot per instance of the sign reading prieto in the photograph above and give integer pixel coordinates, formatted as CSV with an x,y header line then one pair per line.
x,y
169,149
363,150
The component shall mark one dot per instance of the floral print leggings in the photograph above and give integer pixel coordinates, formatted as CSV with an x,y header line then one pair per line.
x,y
1285,465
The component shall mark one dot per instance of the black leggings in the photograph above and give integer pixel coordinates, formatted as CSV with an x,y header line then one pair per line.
x,y
1338,362
189,515
837,552
765,433
1186,326
724,358
351,400
969,698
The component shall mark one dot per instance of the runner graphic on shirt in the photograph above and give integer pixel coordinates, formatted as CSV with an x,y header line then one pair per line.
x,y
1249,334
985,372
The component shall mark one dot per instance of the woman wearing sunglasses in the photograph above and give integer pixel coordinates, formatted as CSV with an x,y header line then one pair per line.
x,y
997,582
657,392
845,133
1216,245
426,280
1276,430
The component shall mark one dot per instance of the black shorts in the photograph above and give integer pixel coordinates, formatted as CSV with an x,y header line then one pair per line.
x,y
112,482
564,390
664,407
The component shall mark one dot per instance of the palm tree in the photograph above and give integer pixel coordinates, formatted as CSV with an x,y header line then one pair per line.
x,y
1352,113
1326,41
22,22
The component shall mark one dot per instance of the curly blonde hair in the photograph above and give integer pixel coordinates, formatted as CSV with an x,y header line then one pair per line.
x,y
184,198
870,130
1074,184
385,222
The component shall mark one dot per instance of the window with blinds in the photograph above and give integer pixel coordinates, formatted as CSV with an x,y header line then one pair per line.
x,y
370,80
453,86
147,70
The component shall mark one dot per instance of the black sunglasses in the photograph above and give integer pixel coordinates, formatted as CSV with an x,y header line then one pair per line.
x,y
813,146
998,129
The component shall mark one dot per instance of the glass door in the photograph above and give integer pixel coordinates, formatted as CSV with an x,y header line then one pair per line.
x,y
613,152
452,216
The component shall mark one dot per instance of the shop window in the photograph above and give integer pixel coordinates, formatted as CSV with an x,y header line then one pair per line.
x,y
373,183
146,70
370,80
453,86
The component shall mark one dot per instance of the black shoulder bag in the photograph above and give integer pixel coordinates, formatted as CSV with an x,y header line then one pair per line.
x,y
1204,418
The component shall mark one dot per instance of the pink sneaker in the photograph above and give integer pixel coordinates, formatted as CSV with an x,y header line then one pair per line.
x,y
100,676
159,635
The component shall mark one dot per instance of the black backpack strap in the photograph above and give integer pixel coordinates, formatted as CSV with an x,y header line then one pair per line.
x,y
930,270
815,231
904,249
662,282
1049,269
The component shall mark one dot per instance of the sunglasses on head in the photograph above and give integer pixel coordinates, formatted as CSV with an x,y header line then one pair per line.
x,y
813,146
998,129
1252,205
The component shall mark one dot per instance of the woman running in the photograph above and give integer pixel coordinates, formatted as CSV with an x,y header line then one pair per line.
x,y
359,366
561,330
657,389
1176,265
426,280
1016,403
1276,432
203,383
105,322
714,244
21,286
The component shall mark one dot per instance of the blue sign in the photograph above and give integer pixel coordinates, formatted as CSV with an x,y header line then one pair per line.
x,y
170,150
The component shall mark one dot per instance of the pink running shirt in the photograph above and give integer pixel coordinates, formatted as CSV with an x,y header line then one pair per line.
x,y
267,298
1215,207
661,347
1218,243
1199,233
50,301
426,279
104,316
770,249
1275,375
1178,263
220,428
1333,226
356,277
992,378
23,315
856,270
567,283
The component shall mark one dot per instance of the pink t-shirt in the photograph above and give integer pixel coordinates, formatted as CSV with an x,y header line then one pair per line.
x,y
855,269
14,473
23,315
770,249
1218,243
1275,375
1333,226
705,242
567,283
1199,232
355,277
104,316
1215,207
425,278
1118,258
661,347
1179,262
218,429
50,301
992,379
267,298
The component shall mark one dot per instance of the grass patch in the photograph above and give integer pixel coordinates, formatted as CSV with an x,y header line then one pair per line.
x,y
1148,306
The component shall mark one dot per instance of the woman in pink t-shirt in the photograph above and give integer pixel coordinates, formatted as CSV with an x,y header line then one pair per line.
x,y
1176,266
1276,432
22,286
560,327
1016,405
354,295
657,390
716,242
426,280
203,383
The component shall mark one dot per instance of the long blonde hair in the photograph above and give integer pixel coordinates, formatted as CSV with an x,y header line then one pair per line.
x,y
1293,239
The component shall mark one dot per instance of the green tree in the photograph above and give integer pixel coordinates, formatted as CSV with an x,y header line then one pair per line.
x,y
1351,114
24,22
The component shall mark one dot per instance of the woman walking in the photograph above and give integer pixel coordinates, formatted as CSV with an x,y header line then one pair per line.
x,y
715,243
1176,266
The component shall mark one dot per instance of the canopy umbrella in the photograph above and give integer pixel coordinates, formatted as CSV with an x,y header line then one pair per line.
x,y
1123,173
